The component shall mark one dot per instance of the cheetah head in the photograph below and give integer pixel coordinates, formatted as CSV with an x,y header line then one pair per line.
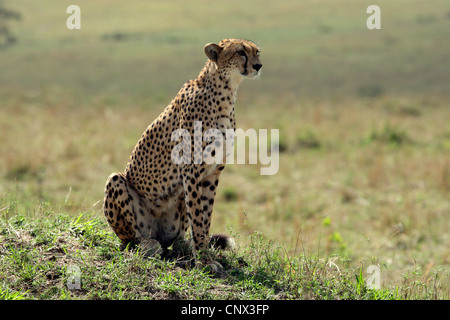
x,y
235,57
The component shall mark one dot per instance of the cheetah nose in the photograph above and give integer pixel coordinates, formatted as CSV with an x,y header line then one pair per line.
x,y
257,66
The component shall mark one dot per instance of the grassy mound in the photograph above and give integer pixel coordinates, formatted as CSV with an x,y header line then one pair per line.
x,y
67,257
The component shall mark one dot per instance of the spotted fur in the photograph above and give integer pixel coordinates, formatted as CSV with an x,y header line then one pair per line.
x,y
154,198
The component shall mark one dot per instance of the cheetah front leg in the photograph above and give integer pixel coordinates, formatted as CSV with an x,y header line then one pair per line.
x,y
198,217
209,189
194,210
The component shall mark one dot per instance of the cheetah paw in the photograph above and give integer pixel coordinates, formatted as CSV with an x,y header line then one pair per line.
x,y
150,247
210,266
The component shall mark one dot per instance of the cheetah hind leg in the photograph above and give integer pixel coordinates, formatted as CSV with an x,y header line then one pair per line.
x,y
120,206
118,209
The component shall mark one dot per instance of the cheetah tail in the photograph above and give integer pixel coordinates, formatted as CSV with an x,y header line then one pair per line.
x,y
222,241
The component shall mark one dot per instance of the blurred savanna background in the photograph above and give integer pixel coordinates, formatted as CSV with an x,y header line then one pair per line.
x,y
364,117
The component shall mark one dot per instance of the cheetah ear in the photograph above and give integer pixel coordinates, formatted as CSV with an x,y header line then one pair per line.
x,y
212,51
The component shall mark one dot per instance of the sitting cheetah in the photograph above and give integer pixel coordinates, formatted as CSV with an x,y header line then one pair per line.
x,y
156,199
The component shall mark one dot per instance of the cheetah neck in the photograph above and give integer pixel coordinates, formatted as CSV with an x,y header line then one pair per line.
x,y
226,79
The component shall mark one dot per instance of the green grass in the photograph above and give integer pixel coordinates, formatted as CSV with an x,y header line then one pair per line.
x,y
37,257
364,147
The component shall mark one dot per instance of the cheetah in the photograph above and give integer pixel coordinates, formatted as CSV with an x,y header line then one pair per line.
x,y
157,200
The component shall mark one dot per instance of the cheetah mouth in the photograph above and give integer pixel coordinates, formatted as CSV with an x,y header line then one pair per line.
x,y
254,75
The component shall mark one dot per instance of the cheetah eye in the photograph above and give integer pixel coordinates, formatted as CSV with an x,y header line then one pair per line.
x,y
241,53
